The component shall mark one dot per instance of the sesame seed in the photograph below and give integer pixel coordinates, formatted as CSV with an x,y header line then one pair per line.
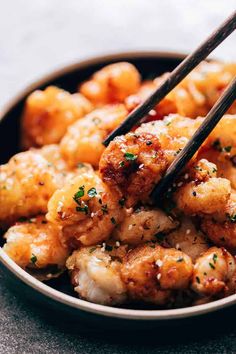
x,y
130,227
103,247
177,246
186,176
141,166
117,243
188,231
158,276
92,215
60,205
152,112
159,263
179,184
169,190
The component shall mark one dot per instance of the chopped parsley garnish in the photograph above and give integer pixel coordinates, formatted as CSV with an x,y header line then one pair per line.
x,y
92,249
170,206
96,120
121,163
148,142
33,259
198,168
122,202
113,220
217,145
180,259
212,265
227,148
198,280
194,193
108,248
177,152
104,209
151,245
92,192
167,123
130,157
214,257
81,165
79,194
214,170
83,209
233,160
22,219
232,217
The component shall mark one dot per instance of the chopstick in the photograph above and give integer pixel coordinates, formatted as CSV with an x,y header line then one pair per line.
x,y
211,120
176,76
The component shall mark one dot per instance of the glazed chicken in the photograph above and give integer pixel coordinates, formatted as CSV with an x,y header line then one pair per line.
x,y
70,204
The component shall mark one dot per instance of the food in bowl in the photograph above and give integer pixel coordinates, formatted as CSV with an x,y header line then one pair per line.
x,y
67,203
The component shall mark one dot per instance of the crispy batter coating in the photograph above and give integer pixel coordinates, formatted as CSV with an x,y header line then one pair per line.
x,y
48,113
188,239
221,227
87,210
95,275
113,83
83,140
27,182
37,245
173,133
142,225
204,197
132,164
213,271
225,163
150,272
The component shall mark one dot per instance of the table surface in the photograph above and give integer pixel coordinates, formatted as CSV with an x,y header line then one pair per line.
x,y
38,36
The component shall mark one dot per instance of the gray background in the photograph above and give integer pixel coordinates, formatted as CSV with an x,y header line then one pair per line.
x,y
37,36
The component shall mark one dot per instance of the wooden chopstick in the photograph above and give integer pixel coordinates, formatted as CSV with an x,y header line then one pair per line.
x,y
176,76
212,118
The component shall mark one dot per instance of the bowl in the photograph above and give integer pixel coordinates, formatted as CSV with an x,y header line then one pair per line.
x,y
57,295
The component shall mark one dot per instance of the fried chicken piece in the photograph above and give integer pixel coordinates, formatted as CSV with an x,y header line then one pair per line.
x,y
213,271
151,272
113,83
37,246
132,164
83,140
48,113
87,210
